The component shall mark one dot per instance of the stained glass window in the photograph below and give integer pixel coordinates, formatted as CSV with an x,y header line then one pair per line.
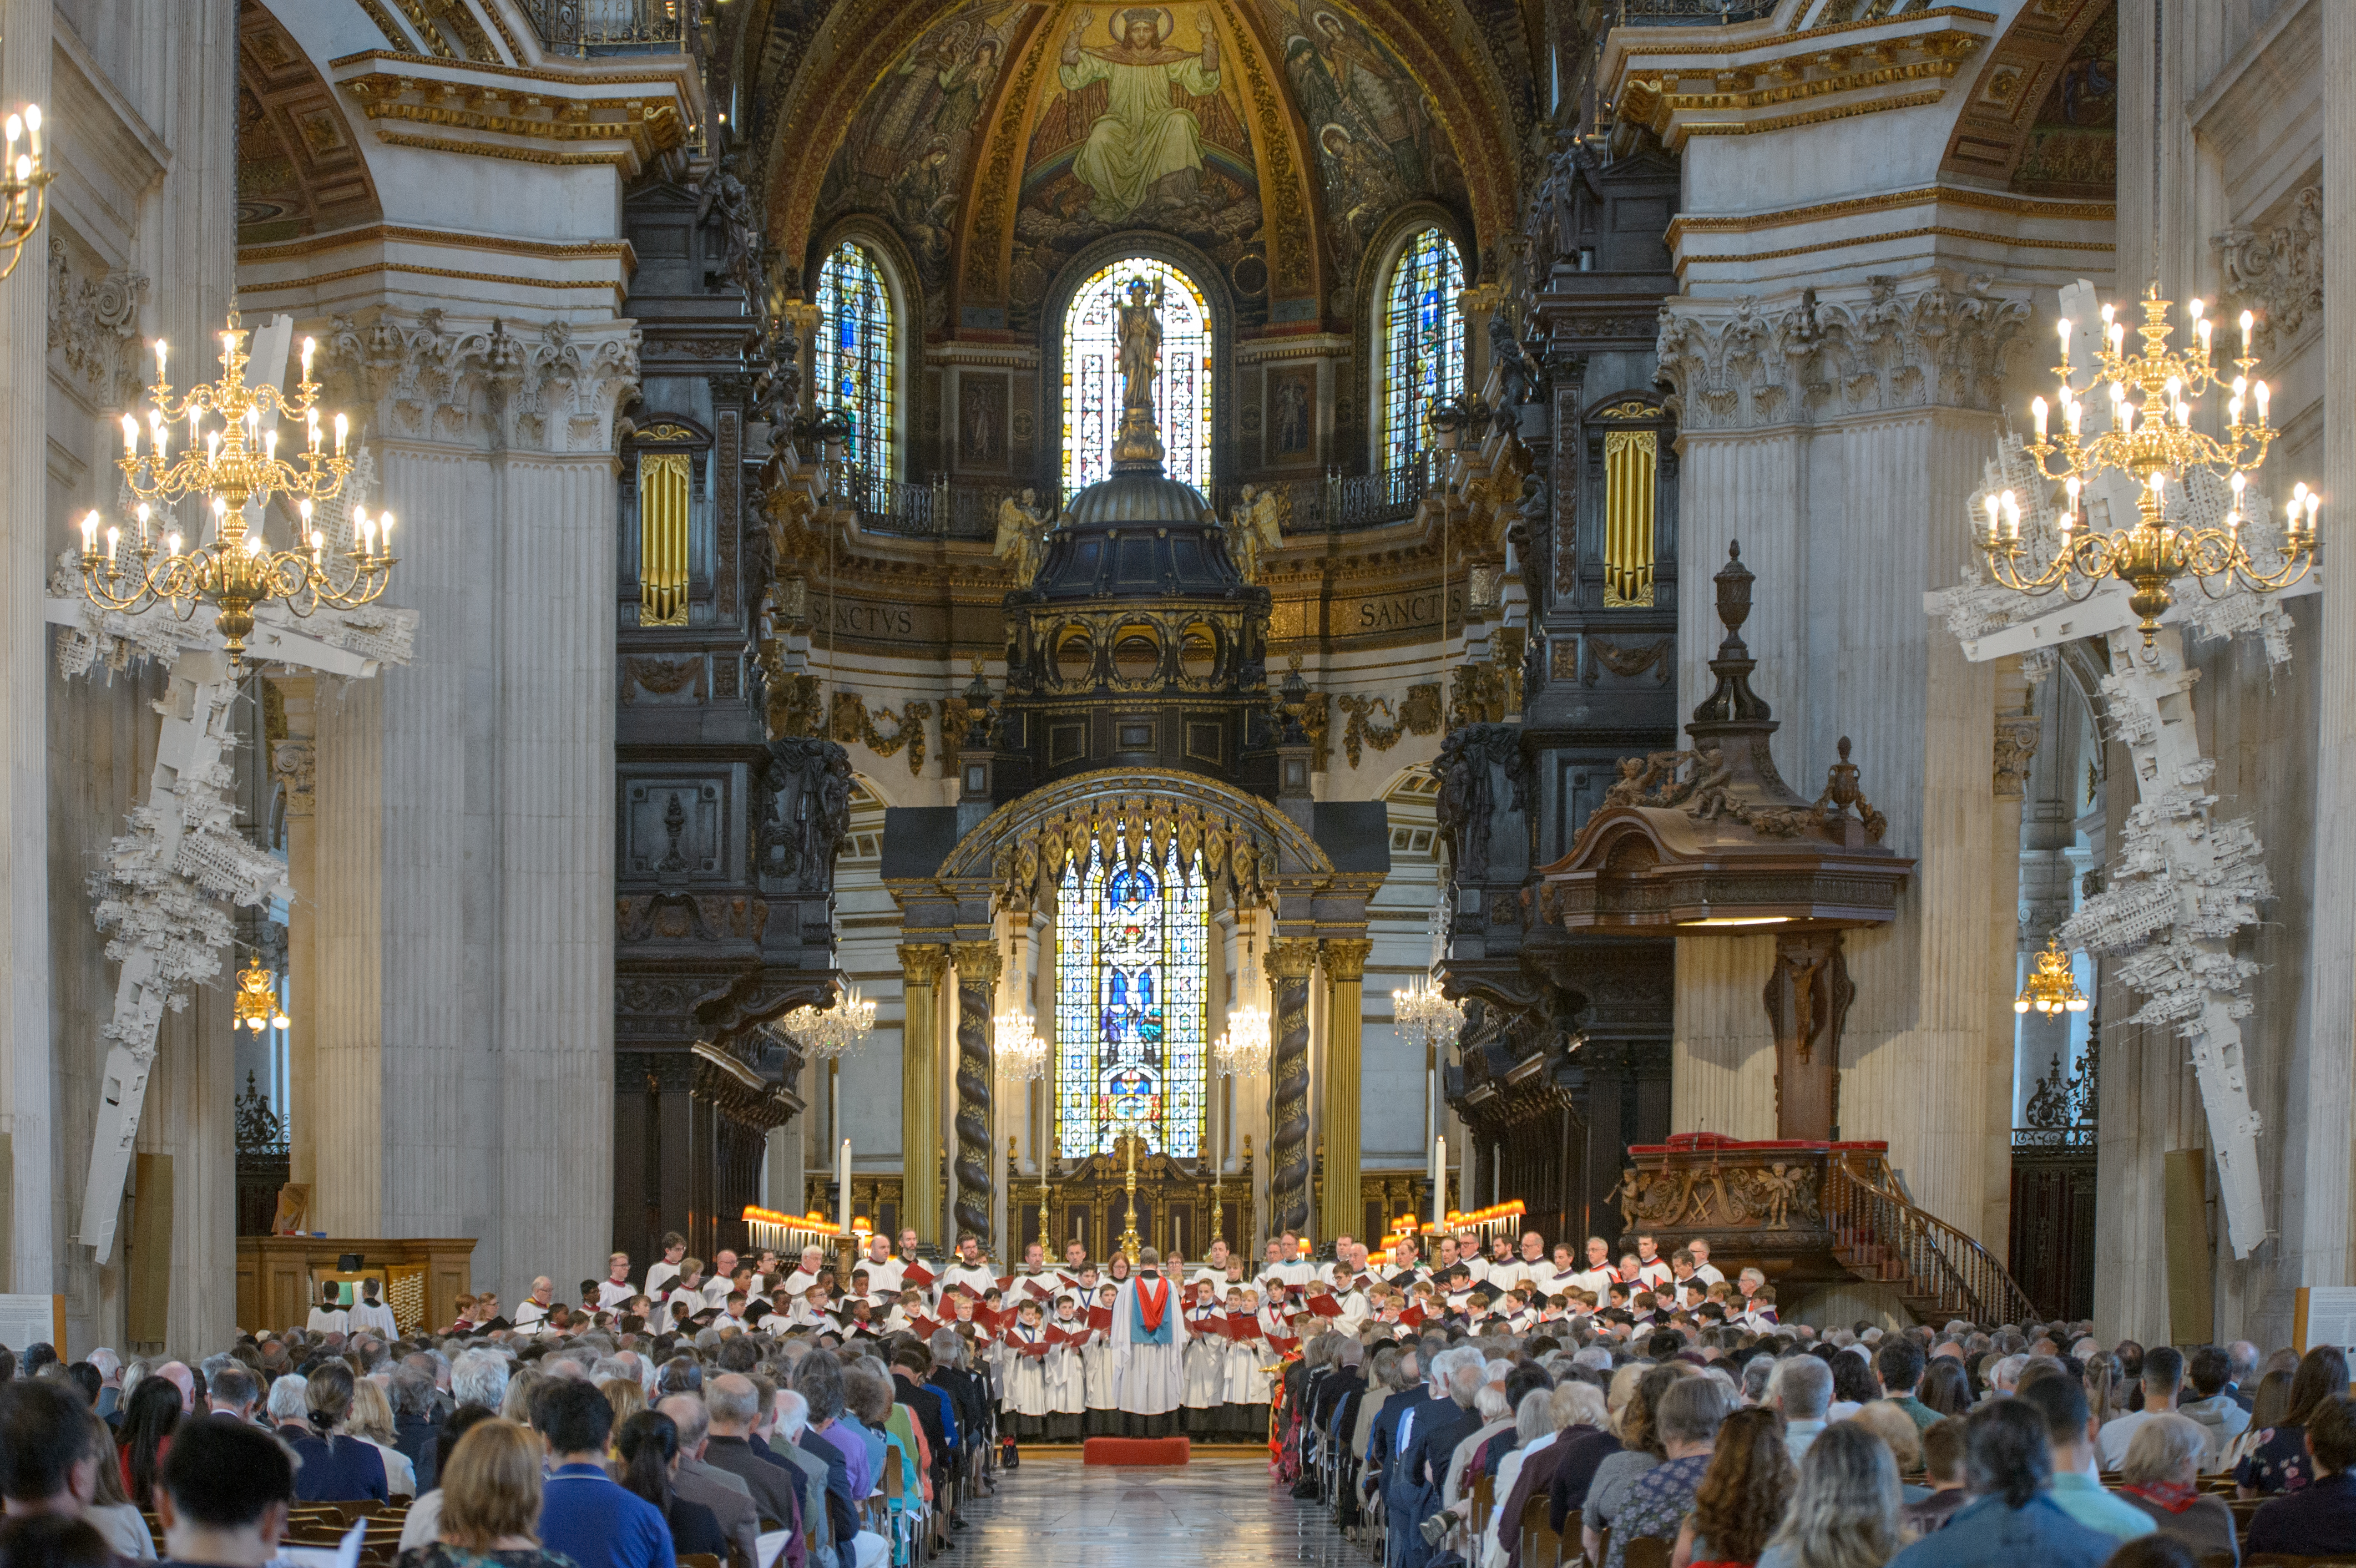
x,y
1092,391
1131,946
852,367
1423,343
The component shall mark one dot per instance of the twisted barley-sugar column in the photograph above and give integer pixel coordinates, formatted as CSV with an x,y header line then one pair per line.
x,y
1289,965
1337,1096
977,980
921,966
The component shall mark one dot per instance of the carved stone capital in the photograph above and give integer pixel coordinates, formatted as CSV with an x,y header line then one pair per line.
x,y
2016,750
1744,364
1291,959
1345,957
922,963
499,385
977,962
296,762
2277,270
93,319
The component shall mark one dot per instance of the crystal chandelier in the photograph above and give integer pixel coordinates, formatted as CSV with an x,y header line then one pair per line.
x,y
1022,1054
1244,1050
2151,441
256,1003
1425,1014
838,1030
23,186
235,466
2052,987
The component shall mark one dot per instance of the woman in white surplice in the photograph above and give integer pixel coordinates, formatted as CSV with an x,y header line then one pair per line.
x,y
1150,1349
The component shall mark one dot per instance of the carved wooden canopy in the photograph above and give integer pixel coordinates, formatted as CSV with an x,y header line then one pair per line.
x,y
1714,836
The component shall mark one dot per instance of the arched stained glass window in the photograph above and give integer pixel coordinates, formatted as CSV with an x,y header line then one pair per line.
x,y
853,367
1092,391
1130,951
1423,343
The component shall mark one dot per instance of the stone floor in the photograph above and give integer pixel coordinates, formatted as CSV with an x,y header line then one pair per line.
x,y
1219,1508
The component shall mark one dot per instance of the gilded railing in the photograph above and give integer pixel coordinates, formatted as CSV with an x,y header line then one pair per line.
x,y
1942,1264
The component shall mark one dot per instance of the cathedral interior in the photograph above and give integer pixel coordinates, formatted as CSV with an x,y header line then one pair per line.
x,y
1078,622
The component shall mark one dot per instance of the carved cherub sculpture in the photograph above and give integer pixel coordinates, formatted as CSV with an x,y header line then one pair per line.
x,y
1256,531
1022,537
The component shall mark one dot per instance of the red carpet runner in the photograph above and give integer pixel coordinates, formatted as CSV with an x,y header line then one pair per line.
x,y
1134,1451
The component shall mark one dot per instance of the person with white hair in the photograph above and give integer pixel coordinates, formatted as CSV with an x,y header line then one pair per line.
x,y
479,1377
289,1406
1802,1389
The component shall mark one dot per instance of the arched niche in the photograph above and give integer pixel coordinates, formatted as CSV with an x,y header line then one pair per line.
x,y
1087,265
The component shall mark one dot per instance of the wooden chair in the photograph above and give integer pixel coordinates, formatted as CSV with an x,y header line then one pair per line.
x,y
1603,1546
1541,1547
698,1559
1647,1551
1485,1503
2292,1560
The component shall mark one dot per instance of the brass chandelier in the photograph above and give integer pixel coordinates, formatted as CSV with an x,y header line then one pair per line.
x,y
234,464
25,180
2152,396
2052,986
256,1003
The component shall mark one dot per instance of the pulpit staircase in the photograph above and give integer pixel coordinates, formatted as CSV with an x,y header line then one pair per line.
x,y
1881,1238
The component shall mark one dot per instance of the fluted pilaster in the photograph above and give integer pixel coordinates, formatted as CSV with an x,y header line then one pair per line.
x,y
921,966
2319,1245
1289,963
977,981
555,824
26,1088
1337,1101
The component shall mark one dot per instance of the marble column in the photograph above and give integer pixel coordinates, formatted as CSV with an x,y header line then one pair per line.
x,y
2318,1212
2015,749
1337,1104
554,759
294,761
921,965
977,966
1289,963
28,1111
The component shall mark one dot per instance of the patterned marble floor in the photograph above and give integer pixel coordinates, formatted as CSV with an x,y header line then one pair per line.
x,y
1219,1508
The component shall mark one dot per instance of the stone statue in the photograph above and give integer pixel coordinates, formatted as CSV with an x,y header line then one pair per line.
x,y
1517,372
1141,345
1022,537
1712,773
1139,442
1256,530
809,810
723,195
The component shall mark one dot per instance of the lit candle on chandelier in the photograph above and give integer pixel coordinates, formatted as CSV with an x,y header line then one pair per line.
x,y
2036,412
130,436
339,435
90,533
162,349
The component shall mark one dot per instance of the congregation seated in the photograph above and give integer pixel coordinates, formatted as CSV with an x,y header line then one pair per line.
x,y
1693,1436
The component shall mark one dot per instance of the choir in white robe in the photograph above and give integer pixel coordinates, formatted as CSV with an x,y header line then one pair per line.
x,y
1152,1365
1205,1356
1099,1388
1068,1391
1025,1377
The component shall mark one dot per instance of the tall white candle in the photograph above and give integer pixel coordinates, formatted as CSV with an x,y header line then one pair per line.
x,y
842,1189
1438,1181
